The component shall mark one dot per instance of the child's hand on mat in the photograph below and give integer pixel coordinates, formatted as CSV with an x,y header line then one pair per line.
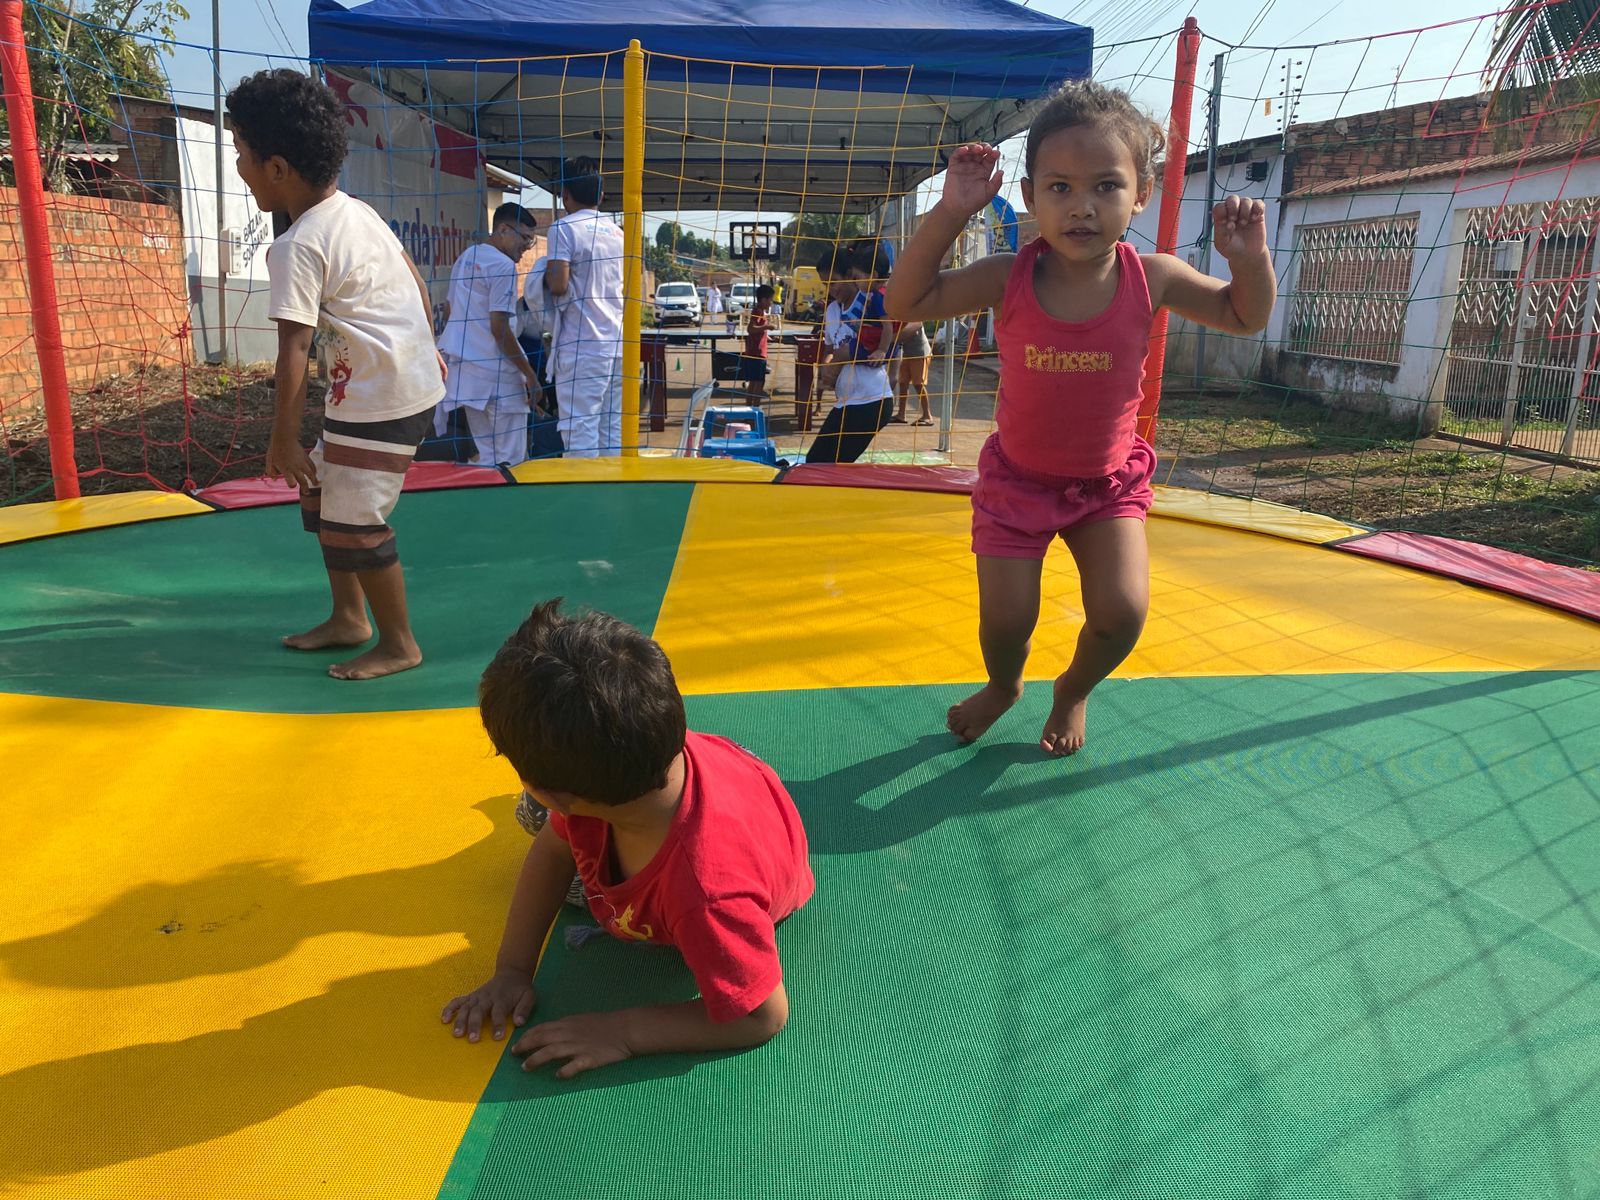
x,y
583,1042
973,178
292,464
508,994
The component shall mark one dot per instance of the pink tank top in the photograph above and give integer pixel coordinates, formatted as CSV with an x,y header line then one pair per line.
x,y
1070,390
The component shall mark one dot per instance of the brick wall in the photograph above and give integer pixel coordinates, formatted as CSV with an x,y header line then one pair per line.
x,y
120,282
1441,131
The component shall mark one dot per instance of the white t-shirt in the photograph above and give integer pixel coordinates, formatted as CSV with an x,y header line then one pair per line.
x,y
539,313
482,281
340,269
591,308
859,383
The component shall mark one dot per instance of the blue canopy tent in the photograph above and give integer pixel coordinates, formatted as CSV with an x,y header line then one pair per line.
x,y
831,105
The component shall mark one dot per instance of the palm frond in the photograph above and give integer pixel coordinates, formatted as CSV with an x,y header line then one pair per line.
x,y
1544,42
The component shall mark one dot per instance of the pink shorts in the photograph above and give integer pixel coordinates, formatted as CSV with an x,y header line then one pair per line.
x,y
1018,515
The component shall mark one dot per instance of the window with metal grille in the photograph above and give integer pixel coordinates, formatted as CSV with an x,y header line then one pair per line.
x,y
1352,286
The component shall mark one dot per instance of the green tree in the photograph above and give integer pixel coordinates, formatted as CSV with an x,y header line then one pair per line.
x,y
81,58
803,240
664,264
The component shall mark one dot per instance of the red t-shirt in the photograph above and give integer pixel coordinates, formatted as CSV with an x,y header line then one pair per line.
x,y
755,340
733,865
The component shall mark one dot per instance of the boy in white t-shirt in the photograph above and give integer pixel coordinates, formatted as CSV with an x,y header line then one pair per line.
x,y
584,274
339,269
491,379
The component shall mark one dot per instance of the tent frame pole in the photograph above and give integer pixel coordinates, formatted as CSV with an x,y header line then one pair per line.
x,y
632,241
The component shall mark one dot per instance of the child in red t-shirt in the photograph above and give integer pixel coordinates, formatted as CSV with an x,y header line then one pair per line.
x,y
753,362
679,838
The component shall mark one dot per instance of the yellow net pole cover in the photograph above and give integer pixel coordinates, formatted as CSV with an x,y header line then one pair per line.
x,y
632,240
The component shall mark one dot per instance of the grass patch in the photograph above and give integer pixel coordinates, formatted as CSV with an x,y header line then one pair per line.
x,y
1370,469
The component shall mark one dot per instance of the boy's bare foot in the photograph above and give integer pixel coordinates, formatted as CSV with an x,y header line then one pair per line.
x,y
1064,729
381,660
971,719
331,632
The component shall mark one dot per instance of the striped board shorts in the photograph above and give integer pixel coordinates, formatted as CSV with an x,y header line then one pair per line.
x,y
360,466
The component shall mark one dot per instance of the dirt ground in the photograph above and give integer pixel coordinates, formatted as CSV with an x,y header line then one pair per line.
x,y
137,430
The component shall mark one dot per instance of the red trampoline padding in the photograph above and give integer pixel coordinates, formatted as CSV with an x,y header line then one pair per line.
x,y
959,480
422,477
248,493
1566,588
428,476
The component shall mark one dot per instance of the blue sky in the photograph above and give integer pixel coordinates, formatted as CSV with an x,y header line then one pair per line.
x,y
1370,72
259,28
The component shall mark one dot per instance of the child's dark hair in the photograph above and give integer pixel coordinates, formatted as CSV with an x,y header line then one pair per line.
x,y
284,114
512,213
835,263
871,259
580,179
764,293
584,705
1085,102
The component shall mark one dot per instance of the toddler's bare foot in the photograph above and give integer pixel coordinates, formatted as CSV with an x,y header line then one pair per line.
x,y
332,632
379,661
1064,730
971,719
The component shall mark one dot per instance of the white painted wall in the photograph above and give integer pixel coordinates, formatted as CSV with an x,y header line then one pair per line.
x,y
249,333
1226,358
1416,387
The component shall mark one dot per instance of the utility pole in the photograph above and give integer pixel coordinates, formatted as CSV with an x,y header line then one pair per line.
x,y
1207,232
222,221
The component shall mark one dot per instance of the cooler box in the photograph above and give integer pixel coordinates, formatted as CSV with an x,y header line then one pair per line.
x,y
746,446
717,417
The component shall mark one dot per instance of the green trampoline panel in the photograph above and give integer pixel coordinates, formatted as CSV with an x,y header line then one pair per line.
x,y
1310,936
169,612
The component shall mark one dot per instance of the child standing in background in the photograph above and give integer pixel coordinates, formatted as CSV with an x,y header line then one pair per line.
x,y
1076,310
753,362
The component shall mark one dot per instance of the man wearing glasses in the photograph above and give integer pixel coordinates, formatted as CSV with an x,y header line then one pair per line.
x,y
491,379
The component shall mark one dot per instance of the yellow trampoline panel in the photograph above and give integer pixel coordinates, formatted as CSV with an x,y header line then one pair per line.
x,y
816,587
170,958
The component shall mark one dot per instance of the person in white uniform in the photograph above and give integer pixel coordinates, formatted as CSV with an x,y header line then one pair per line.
x,y
584,274
491,379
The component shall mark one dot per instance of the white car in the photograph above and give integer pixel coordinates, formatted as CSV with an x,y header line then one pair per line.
x,y
741,299
677,302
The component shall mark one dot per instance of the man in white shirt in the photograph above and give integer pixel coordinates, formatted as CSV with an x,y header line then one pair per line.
x,y
584,274
490,379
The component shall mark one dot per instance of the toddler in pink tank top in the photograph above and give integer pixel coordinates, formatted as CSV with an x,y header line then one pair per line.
x,y
1076,307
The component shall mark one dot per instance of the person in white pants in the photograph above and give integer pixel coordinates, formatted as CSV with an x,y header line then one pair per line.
x,y
490,378
584,274
589,387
